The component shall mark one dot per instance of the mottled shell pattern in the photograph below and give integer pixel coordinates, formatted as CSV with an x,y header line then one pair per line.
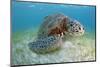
x,y
52,22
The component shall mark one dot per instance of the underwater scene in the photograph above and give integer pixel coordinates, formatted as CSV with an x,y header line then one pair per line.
x,y
48,33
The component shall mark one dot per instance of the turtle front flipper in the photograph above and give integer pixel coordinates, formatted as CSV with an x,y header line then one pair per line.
x,y
46,45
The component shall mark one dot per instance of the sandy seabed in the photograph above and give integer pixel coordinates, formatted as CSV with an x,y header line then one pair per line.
x,y
79,49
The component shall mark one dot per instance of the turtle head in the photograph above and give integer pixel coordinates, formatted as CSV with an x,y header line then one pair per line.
x,y
75,28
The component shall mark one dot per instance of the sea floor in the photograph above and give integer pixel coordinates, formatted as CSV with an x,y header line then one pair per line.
x,y
75,50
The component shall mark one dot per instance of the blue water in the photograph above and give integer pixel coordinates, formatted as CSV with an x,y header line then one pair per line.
x,y
27,15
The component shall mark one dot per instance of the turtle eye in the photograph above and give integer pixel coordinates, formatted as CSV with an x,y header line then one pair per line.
x,y
79,28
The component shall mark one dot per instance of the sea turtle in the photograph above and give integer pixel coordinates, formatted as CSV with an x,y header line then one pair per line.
x,y
52,30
